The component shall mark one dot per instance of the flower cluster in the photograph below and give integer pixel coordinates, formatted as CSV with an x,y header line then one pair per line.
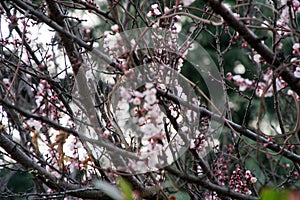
x,y
142,106
221,164
199,143
289,13
154,11
139,111
112,42
240,181
262,88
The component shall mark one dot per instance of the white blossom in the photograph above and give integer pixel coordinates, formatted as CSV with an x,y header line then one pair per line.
x,y
34,124
149,14
6,81
253,180
89,74
166,9
123,106
290,92
296,46
297,72
156,12
150,98
187,2
140,165
125,94
136,101
138,94
257,58
141,121
115,28
154,6
150,130
149,85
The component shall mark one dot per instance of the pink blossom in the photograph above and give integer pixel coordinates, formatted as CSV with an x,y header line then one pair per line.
x,y
296,4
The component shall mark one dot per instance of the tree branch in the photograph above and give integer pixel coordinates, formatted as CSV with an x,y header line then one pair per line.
x,y
61,30
255,43
240,129
18,155
208,185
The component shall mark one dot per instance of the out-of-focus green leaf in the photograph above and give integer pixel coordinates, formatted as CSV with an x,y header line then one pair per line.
x,y
111,190
269,194
20,182
126,189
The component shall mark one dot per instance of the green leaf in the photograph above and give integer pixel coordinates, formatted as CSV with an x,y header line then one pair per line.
x,y
268,194
126,189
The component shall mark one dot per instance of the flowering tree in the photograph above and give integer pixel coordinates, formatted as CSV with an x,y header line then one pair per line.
x,y
163,99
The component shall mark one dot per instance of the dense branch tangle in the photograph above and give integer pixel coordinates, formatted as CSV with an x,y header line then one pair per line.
x,y
198,177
